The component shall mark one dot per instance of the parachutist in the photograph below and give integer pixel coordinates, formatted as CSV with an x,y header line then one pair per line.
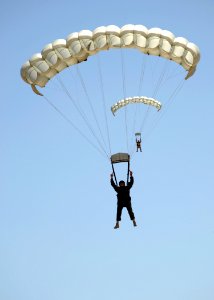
x,y
138,144
123,199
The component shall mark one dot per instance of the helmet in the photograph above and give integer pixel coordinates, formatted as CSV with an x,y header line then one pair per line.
x,y
121,182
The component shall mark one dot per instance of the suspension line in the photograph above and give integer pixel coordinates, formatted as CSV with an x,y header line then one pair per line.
x,y
81,114
75,127
124,95
90,104
103,100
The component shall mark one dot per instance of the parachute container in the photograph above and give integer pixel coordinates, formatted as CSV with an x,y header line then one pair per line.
x,y
120,157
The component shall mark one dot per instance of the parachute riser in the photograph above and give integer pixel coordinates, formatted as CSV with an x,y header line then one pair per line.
x,y
128,173
119,158
114,173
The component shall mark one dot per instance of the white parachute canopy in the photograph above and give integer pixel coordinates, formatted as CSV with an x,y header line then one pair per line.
x,y
78,46
134,100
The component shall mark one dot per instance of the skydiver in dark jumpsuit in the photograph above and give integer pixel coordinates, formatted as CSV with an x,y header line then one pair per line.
x,y
138,144
123,199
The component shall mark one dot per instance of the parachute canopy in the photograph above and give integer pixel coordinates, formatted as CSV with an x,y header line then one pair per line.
x,y
78,46
137,134
134,100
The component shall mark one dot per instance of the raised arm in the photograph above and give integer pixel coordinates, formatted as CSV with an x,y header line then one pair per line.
x,y
115,187
130,183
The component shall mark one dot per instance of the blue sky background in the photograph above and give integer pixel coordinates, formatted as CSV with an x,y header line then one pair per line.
x,y
57,209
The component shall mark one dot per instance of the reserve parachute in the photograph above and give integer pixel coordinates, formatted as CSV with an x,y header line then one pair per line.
x,y
134,100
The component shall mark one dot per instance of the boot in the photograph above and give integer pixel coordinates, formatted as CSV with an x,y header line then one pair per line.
x,y
117,225
134,223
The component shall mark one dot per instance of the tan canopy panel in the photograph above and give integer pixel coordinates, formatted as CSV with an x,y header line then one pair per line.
x,y
134,100
78,46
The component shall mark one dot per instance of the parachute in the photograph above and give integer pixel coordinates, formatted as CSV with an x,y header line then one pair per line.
x,y
78,46
134,100
138,134
73,53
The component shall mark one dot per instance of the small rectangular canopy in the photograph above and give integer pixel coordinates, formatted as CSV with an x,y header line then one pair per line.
x,y
120,157
137,133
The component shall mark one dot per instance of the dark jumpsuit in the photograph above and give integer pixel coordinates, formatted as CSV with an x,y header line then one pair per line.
x,y
138,145
123,198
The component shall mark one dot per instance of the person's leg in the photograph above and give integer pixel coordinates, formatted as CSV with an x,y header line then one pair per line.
x,y
131,213
118,218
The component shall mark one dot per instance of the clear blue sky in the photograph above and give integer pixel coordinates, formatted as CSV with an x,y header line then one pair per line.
x,y
57,209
